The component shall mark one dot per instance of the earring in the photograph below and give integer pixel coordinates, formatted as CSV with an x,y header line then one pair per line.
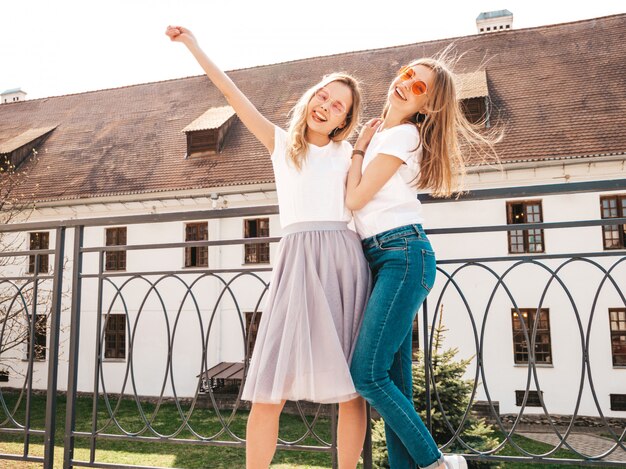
x,y
334,132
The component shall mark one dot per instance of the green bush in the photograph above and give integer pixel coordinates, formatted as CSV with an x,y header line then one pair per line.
x,y
379,445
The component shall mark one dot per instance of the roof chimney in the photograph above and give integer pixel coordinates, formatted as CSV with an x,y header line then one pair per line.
x,y
492,21
10,96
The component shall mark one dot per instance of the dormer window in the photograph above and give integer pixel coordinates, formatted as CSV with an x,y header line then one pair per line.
x,y
473,95
14,151
206,134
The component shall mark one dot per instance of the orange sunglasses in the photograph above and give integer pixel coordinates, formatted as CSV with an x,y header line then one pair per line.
x,y
418,87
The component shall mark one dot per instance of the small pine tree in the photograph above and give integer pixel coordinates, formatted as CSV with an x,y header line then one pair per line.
x,y
380,457
453,393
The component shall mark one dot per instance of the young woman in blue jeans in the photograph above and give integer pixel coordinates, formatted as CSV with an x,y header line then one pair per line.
x,y
415,145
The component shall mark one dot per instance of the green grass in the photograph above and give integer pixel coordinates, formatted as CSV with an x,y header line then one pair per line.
x,y
190,456
168,420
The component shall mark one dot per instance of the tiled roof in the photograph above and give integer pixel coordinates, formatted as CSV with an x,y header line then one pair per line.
x,y
472,85
559,90
22,139
214,118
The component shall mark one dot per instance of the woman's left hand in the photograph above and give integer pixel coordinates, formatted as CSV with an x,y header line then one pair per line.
x,y
366,133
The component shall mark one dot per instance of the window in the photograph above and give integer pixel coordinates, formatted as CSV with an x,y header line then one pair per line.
x,y
5,163
252,328
543,347
41,335
257,253
116,260
618,401
39,241
521,241
617,320
197,256
202,142
115,336
531,401
4,376
614,235
475,110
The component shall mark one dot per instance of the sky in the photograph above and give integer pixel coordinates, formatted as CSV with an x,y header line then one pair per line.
x,y
51,48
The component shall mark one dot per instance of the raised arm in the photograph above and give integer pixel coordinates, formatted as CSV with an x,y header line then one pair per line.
x,y
256,123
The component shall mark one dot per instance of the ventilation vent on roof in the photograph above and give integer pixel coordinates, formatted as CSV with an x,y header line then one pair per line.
x,y
473,94
13,95
494,21
206,134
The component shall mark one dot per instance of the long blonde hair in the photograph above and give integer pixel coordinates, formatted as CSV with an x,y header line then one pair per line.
x,y
297,145
446,136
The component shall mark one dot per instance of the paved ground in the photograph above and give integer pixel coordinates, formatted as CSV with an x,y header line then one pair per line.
x,y
585,443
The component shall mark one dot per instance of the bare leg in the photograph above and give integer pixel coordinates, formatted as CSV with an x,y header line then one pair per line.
x,y
262,434
351,430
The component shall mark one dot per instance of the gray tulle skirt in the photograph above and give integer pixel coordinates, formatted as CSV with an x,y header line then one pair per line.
x,y
310,323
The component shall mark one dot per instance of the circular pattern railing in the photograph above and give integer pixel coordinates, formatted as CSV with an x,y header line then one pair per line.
x,y
451,283
205,320
147,298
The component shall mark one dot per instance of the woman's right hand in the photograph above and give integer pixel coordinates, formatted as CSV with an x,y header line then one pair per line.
x,y
366,133
180,34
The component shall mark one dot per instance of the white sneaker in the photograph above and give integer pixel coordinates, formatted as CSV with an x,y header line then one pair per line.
x,y
454,461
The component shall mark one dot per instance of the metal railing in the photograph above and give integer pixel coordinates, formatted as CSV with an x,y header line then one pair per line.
x,y
113,287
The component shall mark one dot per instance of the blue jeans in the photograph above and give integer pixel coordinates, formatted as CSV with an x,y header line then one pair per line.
x,y
403,269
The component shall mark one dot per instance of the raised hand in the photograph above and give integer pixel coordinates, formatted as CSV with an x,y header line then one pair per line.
x,y
180,34
367,132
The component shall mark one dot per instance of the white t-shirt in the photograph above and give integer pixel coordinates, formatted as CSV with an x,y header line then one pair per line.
x,y
395,204
317,192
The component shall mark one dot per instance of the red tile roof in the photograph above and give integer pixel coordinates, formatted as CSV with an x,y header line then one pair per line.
x,y
559,89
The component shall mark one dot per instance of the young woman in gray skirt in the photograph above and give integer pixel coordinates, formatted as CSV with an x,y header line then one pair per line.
x,y
416,143
321,280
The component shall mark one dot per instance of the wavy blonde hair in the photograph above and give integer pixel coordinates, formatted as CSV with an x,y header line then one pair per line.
x,y
446,136
297,145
